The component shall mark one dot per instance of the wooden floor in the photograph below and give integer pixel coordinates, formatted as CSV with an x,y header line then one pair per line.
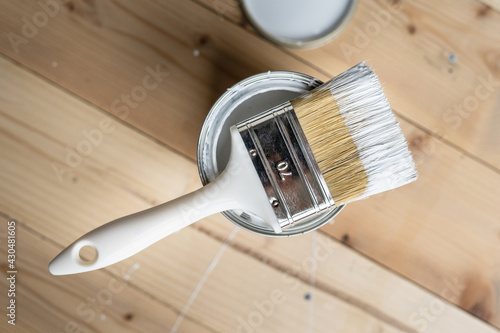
x,y
424,258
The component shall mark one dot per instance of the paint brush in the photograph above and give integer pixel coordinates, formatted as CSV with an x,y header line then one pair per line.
x,y
335,144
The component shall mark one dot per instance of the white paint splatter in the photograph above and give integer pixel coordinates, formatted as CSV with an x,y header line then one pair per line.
x,y
196,52
131,270
202,280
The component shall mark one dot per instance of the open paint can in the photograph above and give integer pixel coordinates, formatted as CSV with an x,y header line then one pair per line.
x,y
240,102
299,23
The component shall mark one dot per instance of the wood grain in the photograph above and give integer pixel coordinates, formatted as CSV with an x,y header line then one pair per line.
x,y
362,295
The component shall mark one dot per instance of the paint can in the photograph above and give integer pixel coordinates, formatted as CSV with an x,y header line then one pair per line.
x,y
245,99
298,23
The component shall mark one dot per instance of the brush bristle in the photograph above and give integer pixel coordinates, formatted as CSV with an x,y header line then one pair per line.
x,y
354,136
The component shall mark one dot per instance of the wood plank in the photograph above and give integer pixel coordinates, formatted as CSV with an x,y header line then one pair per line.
x,y
363,295
410,48
95,302
100,51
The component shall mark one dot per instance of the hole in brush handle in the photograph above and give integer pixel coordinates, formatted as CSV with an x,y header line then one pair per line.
x,y
85,253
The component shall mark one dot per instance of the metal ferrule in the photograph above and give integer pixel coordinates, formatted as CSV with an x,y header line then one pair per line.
x,y
285,164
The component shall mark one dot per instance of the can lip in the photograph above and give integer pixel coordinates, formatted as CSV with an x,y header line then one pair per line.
x,y
301,44
203,161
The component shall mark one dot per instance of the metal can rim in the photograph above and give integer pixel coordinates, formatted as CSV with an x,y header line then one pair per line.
x,y
313,43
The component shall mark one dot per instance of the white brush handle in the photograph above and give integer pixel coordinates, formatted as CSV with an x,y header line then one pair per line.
x,y
238,187
124,237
